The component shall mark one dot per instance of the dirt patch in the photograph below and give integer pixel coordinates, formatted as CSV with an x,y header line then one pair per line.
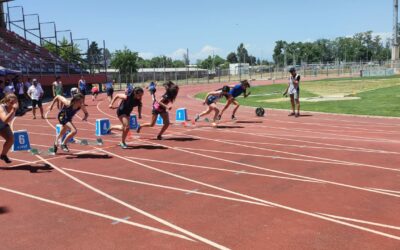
x,y
317,99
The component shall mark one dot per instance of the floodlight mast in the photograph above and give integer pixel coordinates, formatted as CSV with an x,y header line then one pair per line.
x,y
395,42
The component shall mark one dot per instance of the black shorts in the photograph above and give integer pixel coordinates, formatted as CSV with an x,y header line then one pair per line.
x,y
4,126
152,91
83,91
110,92
158,112
121,113
36,103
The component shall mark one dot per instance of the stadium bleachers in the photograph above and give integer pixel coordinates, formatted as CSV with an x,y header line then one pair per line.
x,y
28,57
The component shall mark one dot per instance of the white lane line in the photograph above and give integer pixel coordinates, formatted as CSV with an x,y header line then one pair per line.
x,y
337,136
122,219
138,210
314,215
362,221
280,172
386,190
315,147
303,141
105,216
241,172
261,156
166,187
327,160
192,191
222,169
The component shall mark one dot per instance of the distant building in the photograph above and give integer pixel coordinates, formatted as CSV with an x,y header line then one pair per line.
x,y
239,68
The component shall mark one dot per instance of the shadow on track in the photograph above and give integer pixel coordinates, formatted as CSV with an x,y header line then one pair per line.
x,y
43,168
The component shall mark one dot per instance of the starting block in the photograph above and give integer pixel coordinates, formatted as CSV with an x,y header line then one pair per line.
x,y
181,115
35,151
102,127
21,141
159,121
58,130
133,122
206,120
97,142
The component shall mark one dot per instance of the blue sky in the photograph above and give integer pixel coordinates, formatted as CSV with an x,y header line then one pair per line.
x,y
168,27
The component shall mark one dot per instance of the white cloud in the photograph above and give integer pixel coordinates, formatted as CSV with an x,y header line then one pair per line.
x,y
383,35
206,51
146,55
177,54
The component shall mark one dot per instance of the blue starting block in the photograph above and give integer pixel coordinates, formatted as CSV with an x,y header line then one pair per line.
x,y
102,127
21,141
133,122
58,130
181,115
159,121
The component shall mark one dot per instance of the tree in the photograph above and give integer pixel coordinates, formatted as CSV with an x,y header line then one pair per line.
x,y
65,50
107,56
126,61
94,56
242,54
232,58
186,59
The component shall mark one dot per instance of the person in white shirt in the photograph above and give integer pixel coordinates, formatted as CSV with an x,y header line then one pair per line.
x,y
9,89
35,92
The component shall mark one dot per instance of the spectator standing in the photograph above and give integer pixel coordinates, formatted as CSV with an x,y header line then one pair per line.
x,y
9,88
20,91
36,93
82,87
57,89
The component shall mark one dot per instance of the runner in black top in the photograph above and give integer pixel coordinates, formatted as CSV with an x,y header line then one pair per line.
x,y
161,107
65,116
129,101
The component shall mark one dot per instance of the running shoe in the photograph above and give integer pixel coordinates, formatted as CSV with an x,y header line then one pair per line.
x,y
138,129
5,158
159,137
123,145
233,118
55,148
64,147
197,118
292,114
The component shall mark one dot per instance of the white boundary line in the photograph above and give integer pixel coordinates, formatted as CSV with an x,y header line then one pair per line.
x,y
261,200
222,169
166,187
133,208
105,216
362,221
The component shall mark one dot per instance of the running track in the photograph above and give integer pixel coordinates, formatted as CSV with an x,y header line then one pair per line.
x,y
317,182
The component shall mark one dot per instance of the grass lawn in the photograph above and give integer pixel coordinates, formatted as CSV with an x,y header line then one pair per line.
x,y
376,96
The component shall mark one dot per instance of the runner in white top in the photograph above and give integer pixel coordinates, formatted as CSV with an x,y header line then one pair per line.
x,y
8,107
35,92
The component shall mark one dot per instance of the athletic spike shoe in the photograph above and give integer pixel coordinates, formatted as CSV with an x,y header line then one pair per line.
x,y
123,145
65,148
5,159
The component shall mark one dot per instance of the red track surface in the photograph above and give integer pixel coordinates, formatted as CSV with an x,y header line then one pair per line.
x,y
317,182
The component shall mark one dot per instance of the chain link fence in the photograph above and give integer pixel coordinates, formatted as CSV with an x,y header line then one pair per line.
x,y
186,76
